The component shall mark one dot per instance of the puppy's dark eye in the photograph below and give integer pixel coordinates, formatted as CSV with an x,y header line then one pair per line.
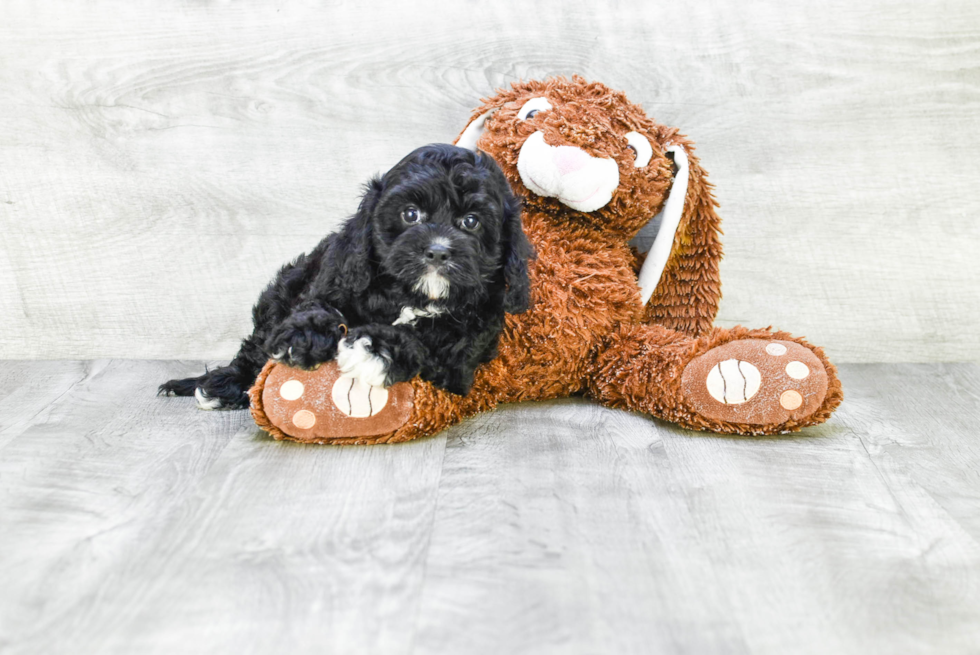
x,y
412,215
470,222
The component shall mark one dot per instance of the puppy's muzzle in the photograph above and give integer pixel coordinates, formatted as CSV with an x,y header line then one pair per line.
x,y
437,261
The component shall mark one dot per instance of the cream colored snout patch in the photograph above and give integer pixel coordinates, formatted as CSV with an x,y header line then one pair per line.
x,y
576,178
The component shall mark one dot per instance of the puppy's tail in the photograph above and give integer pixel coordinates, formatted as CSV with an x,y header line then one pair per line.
x,y
223,388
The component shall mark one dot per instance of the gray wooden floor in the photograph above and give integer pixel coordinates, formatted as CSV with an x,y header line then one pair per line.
x,y
136,524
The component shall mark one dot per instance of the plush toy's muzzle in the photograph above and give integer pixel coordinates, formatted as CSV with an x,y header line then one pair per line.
x,y
568,173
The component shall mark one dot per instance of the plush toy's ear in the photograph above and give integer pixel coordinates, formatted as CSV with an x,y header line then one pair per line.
x,y
517,298
352,248
468,138
679,279
669,219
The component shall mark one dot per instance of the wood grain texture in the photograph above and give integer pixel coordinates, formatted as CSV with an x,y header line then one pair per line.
x,y
159,161
30,389
132,523
567,528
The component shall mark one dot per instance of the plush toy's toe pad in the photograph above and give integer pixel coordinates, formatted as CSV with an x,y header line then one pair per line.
x,y
321,404
756,382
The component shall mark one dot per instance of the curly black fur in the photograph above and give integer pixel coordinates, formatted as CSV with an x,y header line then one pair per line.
x,y
363,277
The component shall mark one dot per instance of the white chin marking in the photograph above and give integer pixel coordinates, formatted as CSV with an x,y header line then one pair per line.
x,y
356,361
590,186
433,285
203,402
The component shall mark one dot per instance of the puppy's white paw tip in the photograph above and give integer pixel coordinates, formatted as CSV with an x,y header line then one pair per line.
x,y
356,361
204,402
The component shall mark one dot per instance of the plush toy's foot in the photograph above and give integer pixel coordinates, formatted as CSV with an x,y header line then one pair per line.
x,y
732,381
756,382
321,406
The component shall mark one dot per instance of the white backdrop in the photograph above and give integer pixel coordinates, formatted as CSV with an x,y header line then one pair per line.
x,y
159,161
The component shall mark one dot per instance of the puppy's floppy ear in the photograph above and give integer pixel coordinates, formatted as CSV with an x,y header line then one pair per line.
x,y
517,251
352,249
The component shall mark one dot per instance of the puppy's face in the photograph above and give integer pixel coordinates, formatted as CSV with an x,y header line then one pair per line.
x,y
440,224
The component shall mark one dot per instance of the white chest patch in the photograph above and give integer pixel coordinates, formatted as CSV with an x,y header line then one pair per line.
x,y
410,315
433,285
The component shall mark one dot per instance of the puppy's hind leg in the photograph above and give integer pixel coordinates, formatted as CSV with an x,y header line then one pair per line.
x,y
225,387
220,388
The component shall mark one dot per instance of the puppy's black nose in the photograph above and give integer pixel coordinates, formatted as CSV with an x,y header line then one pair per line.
x,y
437,253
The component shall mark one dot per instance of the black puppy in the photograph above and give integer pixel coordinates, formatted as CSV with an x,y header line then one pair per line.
x,y
418,280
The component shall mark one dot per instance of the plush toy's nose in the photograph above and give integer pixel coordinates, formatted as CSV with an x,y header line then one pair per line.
x,y
569,159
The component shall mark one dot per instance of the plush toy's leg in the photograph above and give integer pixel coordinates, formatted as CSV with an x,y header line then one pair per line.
x,y
320,406
736,381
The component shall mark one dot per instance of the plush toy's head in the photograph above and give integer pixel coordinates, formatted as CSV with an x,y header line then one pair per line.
x,y
580,146
582,155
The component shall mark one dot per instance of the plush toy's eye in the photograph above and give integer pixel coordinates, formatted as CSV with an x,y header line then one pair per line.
x,y
413,215
641,148
532,107
470,222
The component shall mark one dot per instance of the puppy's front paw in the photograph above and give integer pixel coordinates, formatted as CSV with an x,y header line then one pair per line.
x,y
306,339
357,358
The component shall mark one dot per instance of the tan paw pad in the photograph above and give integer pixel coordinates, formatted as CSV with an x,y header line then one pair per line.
x,y
304,419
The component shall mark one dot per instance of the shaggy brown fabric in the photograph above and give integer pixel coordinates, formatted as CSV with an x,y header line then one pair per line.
x,y
587,331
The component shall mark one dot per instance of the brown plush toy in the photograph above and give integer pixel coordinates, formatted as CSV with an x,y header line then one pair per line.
x,y
629,331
